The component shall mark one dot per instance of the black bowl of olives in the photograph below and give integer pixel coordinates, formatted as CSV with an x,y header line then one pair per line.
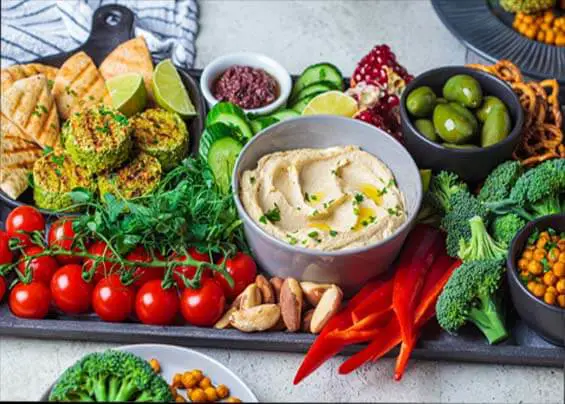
x,y
461,120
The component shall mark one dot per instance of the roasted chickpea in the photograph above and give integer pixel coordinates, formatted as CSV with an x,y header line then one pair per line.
x,y
542,241
155,365
549,298
539,254
561,301
561,258
560,40
188,380
233,400
222,391
561,244
205,383
551,289
535,267
198,396
528,254
211,394
539,290
549,278
523,264
553,255
531,286
560,286
177,380
549,37
528,19
197,375
559,269
180,399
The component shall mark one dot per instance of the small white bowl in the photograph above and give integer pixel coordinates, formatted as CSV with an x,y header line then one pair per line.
x,y
215,68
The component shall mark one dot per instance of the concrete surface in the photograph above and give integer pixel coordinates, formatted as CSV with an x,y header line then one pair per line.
x,y
299,33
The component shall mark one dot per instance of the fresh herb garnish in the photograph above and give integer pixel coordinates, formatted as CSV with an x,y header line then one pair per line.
x,y
291,239
252,180
359,197
306,197
50,84
313,234
70,91
121,119
273,215
59,160
47,150
333,233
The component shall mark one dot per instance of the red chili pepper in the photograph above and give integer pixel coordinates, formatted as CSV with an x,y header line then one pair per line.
x,y
390,335
323,347
423,246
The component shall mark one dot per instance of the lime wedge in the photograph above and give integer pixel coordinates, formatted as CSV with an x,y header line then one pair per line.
x,y
169,90
332,103
128,93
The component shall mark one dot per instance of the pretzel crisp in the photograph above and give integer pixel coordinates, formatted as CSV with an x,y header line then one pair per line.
x,y
542,135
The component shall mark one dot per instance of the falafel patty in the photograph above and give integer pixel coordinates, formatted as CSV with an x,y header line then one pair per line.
x,y
54,176
98,138
163,135
138,177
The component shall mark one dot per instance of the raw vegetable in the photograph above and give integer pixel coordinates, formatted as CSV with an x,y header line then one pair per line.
x,y
442,187
203,306
70,292
112,299
243,270
40,269
2,287
321,72
155,304
232,115
504,228
6,255
258,124
480,246
212,134
284,114
500,181
23,220
30,300
316,88
61,235
221,159
141,274
301,103
97,266
180,273
111,376
470,295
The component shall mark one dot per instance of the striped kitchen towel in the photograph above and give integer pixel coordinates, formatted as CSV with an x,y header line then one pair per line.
x,y
36,28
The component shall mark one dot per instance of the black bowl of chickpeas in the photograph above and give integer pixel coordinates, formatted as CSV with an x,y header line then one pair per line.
x,y
536,275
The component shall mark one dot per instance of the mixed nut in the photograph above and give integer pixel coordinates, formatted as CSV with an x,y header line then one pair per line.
x,y
277,305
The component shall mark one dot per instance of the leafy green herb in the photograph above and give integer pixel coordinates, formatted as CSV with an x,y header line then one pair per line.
x,y
313,234
121,119
333,233
91,98
58,172
291,239
273,215
70,91
39,110
104,129
252,180
47,150
306,197
315,212
50,84
546,265
533,237
359,197
59,160
394,211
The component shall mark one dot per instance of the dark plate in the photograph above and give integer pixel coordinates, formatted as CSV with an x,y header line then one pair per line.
x,y
484,27
112,25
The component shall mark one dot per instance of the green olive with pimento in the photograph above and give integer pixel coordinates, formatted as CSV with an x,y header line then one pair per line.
x,y
461,117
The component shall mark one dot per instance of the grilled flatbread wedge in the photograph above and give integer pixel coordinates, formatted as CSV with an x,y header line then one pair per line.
x,y
130,57
10,75
79,85
17,156
29,104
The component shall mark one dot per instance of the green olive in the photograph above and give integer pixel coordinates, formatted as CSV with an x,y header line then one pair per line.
x,y
489,102
463,89
459,146
497,126
451,125
467,114
426,128
421,101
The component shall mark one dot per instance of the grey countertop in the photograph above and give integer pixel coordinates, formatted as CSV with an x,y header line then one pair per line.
x,y
299,33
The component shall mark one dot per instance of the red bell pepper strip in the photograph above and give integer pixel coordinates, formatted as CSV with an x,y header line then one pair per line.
x,y
423,246
363,330
372,302
323,347
391,335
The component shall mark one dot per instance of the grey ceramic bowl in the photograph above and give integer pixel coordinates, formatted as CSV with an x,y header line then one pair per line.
x,y
349,268
546,320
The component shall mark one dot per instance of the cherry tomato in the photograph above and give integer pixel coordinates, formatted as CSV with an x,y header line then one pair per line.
x,y
203,306
155,305
61,234
2,287
144,274
190,271
112,300
71,293
24,219
242,269
6,255
30,300
42,268
102,269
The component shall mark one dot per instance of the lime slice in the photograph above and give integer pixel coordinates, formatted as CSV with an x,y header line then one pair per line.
x,y
332,103
128,93
169,90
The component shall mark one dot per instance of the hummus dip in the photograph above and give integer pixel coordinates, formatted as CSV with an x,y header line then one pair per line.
x,y
327,199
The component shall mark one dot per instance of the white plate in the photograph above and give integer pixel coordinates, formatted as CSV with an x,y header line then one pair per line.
x,y
175,359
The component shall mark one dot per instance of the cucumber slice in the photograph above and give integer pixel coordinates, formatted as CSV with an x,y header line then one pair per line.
x,y
285,114
301,104
261,123
316,73
314,88
221,160
231,115
213,133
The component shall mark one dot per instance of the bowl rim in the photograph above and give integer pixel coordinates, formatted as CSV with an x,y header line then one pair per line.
x,y
511,259
405,116
410,220
282,76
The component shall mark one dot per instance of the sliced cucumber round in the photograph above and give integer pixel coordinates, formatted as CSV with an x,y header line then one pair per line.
x,y
261,123
301,104
231,115
213,133
285,114
314,88
221,160
315,74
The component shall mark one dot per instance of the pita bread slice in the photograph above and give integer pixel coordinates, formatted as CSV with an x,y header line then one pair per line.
x,y
29,104
79,85
132,56
10,75
17,156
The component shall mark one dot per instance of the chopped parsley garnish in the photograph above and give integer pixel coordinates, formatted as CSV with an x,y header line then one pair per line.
x,y
121,119
53,126
391,182
273,215
328,203
336,173
59,160
333,233
252,180
47,150
313,197
359,197
304,241
356,211
50,84
313,234
39,109
91,98
546,265
291,239
58,172
70,91
315,213
104,129
306,197
394,211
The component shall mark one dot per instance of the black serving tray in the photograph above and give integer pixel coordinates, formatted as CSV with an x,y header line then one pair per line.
x,y
112,25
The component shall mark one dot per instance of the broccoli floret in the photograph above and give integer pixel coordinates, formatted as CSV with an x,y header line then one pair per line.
x,y
481,246
504,228
464,206
471,295
111,376
500,181
442,187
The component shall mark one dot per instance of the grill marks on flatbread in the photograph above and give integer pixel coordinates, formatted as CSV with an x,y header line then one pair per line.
x,y
79,85
29,104
132,56
17,156
10,75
